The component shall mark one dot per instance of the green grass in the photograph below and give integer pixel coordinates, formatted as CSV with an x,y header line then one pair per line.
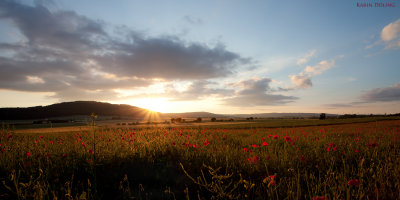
x,y
347,161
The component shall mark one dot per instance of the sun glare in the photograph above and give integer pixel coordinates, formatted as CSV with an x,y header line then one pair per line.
x,y
153,104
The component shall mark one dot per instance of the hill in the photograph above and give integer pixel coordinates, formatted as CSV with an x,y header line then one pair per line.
x,y
193,115
280,115
71,109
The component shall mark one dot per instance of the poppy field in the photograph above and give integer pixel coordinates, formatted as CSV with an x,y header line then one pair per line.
x,y
348,161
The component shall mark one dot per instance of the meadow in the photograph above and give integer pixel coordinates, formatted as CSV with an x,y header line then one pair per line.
x,y
297,161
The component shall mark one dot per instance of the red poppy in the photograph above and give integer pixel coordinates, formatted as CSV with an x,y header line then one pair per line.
x,y
302,158
255,145
9,136
320,198
28,154
206,142
372,145
253,159
64,155
270,180
265,144
353,182
275,137
288,139
357,150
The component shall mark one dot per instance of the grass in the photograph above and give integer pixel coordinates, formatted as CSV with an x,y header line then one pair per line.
x,y
345,161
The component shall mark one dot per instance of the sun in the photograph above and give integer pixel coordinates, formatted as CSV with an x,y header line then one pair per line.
x,y
153,104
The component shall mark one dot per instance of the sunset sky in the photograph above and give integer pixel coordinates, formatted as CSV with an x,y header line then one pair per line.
x,y
233,56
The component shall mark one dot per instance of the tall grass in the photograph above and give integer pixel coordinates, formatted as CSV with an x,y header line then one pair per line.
x,y
352,161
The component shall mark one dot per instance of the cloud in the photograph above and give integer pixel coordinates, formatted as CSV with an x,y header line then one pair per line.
x,y
74,56
303,79
196,91
390,35
306,58
257,92
339,105
391,93
170,58
318,69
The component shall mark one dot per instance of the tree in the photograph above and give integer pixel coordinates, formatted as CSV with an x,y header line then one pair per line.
x,y
213,119
198,119
322,116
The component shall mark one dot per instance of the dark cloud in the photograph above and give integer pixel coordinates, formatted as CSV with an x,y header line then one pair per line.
x,y
257,93
391,93
170,58
198,90
70,54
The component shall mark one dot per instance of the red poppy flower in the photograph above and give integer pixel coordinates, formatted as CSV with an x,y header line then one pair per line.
x,y
302,158
372,145
28,154
255,145
270,180
253,159
353,182
320,198
206,142
265,144
275,137
288,139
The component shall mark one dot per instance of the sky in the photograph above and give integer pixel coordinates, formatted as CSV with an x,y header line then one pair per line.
x,y
220,56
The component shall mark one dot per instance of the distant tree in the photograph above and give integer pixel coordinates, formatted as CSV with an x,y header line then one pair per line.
x,y
178,119
172,120
213,119
250,118
322,116
198,119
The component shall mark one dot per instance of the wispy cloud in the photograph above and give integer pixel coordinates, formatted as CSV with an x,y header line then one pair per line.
x,y
303,79
306,58
390,35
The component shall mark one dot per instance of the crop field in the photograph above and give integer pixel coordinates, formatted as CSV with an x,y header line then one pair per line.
x,y
341,161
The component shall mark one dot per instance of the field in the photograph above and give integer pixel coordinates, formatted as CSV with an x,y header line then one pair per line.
x,y
269,160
